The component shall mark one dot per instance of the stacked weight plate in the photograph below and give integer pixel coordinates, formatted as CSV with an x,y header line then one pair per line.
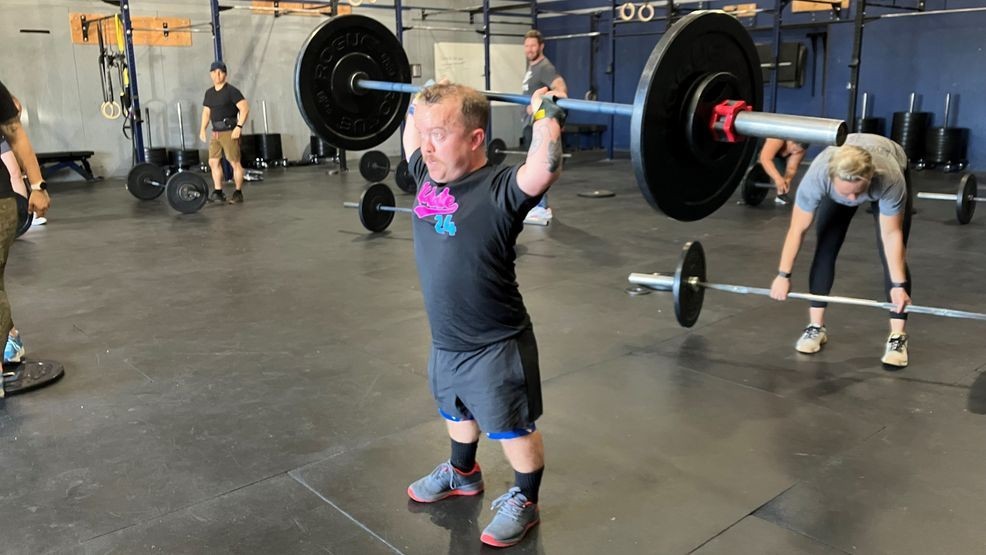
x,y
909,130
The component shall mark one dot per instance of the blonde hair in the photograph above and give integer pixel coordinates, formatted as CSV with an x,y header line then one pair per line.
x,y
475,109
851,163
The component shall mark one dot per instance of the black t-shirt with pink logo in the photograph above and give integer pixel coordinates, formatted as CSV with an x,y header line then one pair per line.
x,y
465,233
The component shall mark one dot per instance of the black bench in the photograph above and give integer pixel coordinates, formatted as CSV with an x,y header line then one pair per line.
x,y
76,160
585,136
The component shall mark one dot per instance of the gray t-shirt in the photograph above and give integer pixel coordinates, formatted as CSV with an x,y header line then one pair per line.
x,y
541,74
887,187
464,238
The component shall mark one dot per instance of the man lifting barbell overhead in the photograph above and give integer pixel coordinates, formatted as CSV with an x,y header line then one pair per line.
x,y
483,367
868,168
227,109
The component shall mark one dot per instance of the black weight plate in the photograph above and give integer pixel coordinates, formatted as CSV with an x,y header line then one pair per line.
x,y
370,216
965,204
30,374
670,176
374,166
336,51
752,194
495,151
187,192
157,156
688,299
24,215
405,182
141,179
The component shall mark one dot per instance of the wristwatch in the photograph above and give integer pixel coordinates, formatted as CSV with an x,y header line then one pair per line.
x,y
40,187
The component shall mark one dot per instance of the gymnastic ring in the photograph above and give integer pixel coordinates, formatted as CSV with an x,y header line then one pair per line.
x,y
355,3
111,110
650,13
627,10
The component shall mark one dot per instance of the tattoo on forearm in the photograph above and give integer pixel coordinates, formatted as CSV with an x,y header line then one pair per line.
x,y
554,156
537,139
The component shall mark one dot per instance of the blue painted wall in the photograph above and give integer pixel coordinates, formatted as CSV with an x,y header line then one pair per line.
x,y
930,55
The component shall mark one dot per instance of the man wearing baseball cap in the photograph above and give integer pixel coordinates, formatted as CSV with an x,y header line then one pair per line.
x,y
226,108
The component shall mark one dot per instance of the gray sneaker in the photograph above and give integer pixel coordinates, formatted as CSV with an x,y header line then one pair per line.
x,y
812,339
446,481
516,515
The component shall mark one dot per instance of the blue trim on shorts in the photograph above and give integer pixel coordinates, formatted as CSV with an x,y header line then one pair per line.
x,y
512,434
448,416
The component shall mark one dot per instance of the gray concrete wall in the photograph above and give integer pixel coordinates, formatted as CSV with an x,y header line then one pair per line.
x,y
59,81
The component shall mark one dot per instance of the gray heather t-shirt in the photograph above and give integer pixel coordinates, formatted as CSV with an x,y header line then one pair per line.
x,y
887,187
541,74
464,238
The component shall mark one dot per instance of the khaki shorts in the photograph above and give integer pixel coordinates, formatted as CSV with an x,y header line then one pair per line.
x,y
223,143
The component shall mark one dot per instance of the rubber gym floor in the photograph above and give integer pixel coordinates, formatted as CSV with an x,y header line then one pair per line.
x,y
252,378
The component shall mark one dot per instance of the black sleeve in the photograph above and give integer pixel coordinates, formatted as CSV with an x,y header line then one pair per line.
x,y
416,167
507,194
8,110
235,95
205,100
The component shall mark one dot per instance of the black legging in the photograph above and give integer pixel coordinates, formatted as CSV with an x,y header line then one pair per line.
x,y
831,224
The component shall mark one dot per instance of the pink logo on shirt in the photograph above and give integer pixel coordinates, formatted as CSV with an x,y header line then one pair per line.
x,y
431,203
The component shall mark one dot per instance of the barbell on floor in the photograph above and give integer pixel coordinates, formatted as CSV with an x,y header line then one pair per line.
x,y
695,104
688,285
374,166
756,185
965,198
187,191
497,151
377,207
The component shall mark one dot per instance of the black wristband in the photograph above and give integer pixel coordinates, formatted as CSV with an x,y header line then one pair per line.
x,y
785,275
895,284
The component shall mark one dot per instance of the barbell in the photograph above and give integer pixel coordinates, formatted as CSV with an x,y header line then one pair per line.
x,y
497,151
965,198
377,207
688,285
695,104
187,191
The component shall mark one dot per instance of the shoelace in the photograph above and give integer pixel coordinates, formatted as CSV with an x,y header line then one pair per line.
x,y
897,343
811,332
445,468
509,504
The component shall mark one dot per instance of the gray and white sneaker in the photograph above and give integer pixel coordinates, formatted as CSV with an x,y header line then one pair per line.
x,y
812,339
516,515
446,481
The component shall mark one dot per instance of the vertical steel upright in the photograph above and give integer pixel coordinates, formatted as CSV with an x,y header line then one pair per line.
x,y
128,40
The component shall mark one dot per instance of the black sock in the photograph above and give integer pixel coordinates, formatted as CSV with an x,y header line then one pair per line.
x,y
464,455
529,483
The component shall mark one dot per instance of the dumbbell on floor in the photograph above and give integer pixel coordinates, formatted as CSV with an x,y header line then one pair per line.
x,y
965,198
375,165
376,208
497,151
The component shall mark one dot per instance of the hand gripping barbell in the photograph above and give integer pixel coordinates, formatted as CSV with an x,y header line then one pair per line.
x,y
695,104
187,191
688,286
376,208
965,198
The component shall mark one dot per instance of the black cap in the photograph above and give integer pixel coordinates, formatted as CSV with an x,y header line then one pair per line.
x,y
218,65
